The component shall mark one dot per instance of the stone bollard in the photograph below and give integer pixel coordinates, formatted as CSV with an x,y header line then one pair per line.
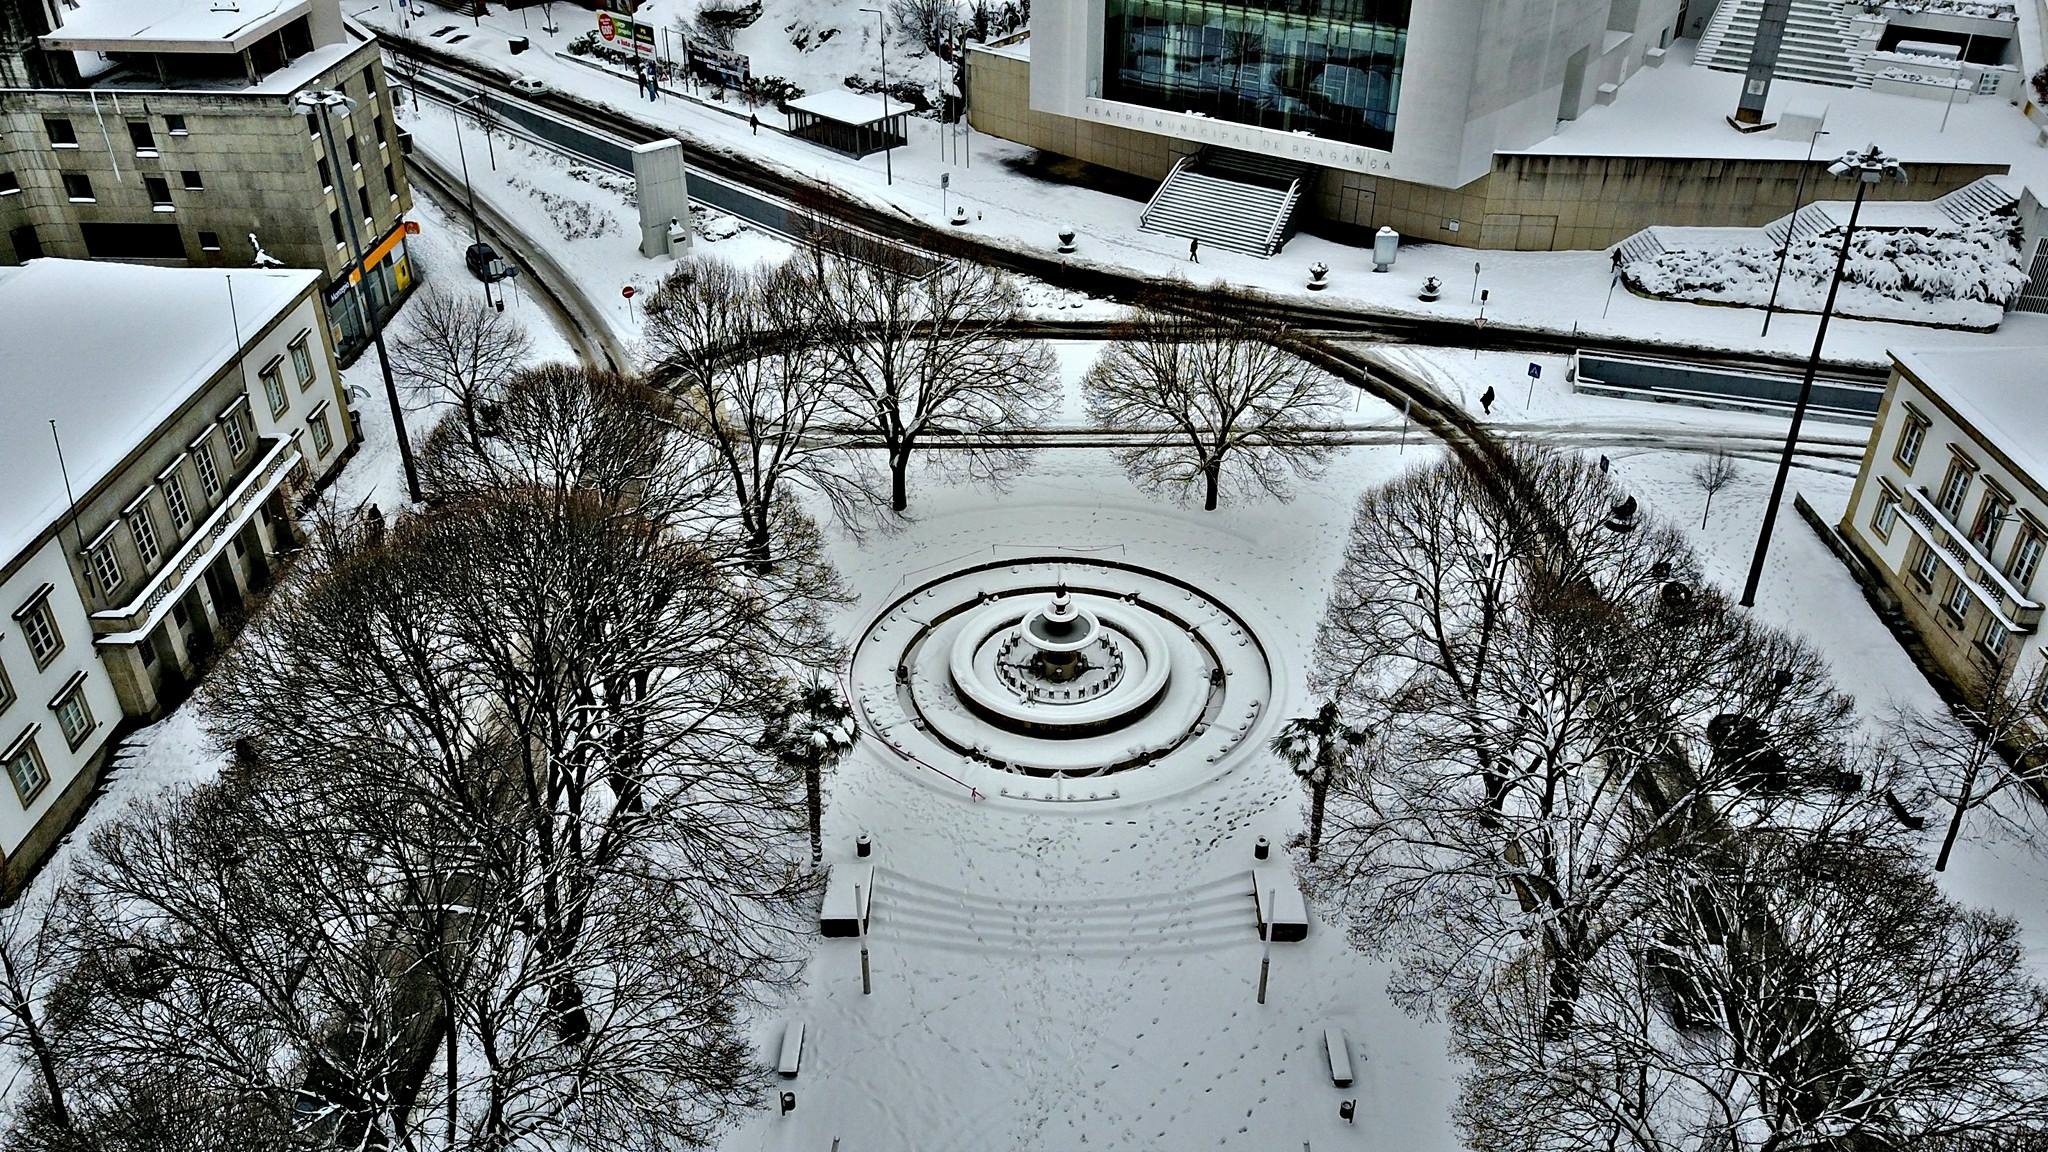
x,y
1066,239
1262,848
862,847
1316,274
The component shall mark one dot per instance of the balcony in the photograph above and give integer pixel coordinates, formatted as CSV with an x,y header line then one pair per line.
x,y
2007,604
131,622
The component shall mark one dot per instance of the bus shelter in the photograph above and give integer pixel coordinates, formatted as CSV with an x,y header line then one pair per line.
x,y
847,121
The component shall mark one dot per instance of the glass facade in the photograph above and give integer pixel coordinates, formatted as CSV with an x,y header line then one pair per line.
x,y
1329,67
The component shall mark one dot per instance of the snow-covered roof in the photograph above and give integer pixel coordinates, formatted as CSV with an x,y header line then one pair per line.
x,y
846,107
172,25
109,351
2001,392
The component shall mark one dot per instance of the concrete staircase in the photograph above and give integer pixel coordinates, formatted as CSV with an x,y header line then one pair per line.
x,y
1232,200
1984,196
1821,44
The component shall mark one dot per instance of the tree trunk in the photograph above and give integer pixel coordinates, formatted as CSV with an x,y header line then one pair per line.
x,y
1955,828
813,794
1706,511
899,464
760,545
1565,983
38,1044
454,1111
1316,790
1211,474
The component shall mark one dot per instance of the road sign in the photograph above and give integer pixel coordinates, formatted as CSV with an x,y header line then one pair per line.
x,y
412,227
627,291
1535,370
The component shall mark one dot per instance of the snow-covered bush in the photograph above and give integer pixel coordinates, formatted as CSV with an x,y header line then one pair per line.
x,y
1977,263
720,21
931,23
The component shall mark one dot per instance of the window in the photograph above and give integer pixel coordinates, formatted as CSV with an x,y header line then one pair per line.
x,y
175,125
1957,602
326,175
144,530
273,388
39,628
1987,83
1924,562
355,154
25,768
1954,486
1993,638
2026,558
174,498
61,135
363,199
209,241
391,181
159,192
1911,436
377,128
145,140
334,223
9,184
6,691
1991,516
202,460
106,569
74,715
323,437
1887,515
302,359
231,427
78,186
192,181
313,125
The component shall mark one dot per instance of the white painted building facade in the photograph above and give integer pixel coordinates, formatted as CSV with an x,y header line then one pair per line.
x,y
1951,506
160,423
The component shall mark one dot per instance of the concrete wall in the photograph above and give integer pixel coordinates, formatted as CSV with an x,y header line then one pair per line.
x,y
258,163
1525,202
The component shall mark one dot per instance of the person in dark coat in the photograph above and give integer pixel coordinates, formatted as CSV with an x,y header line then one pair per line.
x,y
1486,400
1195,250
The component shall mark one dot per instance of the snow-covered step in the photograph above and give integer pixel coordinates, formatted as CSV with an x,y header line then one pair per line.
x,y
1810,220
1820,44
1641,246
1228,200
1984,196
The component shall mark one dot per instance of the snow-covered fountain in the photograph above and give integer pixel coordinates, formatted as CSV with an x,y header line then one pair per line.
x,y
1016,676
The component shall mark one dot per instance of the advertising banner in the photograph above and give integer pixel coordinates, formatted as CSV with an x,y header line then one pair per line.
x,y
625,35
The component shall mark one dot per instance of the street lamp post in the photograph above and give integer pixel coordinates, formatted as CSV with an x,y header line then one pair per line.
x,y
319,101
882,42
469,189
1869,166
1791,225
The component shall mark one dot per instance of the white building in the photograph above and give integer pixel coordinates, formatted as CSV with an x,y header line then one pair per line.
x,y
1950,509
191,405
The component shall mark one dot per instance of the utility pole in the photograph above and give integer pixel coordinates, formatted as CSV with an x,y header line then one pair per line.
x,y
1791,223
320,101
882,42
1869,167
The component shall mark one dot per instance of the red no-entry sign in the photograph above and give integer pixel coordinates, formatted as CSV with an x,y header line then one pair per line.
x,y
627,291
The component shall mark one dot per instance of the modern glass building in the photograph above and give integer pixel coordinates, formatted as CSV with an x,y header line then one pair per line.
x,y
1327,67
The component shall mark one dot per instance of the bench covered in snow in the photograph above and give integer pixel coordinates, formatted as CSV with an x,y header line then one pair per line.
x,y
1337,1047
840,916
1283,914
792,1049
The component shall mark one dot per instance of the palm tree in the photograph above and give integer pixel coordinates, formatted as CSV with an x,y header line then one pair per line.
x,y
1315,747
812,732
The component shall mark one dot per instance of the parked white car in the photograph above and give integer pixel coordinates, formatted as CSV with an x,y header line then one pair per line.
x,y
531,85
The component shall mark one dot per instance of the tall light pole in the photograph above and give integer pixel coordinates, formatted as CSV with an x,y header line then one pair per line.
x,y
1869,167
319,101
882,42
1791,224
469,189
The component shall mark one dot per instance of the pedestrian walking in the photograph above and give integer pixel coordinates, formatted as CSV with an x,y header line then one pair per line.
x,y
653,85
1195,249
1486,400
754,122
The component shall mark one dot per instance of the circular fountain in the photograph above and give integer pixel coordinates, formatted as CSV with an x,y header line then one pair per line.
x,y
1060,669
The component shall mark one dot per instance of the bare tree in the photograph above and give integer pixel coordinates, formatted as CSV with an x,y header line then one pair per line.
x,y
740,350
921,357
1224,407
1992,742
30,963
929,24
1711,473
453,350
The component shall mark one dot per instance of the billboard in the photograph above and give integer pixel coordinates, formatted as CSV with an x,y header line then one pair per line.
x,y
624,34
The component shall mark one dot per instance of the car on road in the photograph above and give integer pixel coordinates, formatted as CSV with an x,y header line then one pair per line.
x,y
484,263
530,85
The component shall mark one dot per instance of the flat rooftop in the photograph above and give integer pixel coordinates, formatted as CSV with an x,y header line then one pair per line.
x,y
171,25
109,351
2002,392
1680,111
